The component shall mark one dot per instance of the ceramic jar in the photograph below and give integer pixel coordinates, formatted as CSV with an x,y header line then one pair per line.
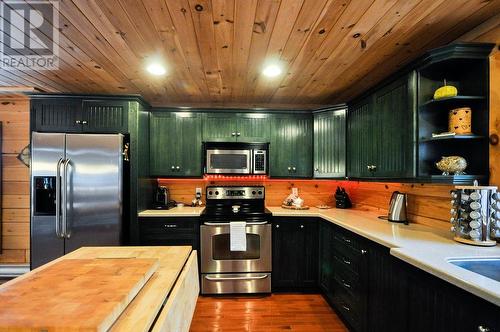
x,y
459,121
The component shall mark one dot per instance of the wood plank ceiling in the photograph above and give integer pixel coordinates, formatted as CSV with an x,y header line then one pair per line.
x,y
332,50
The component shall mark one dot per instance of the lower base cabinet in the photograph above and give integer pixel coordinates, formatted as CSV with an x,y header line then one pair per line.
x,y
374,291
295,254
169,231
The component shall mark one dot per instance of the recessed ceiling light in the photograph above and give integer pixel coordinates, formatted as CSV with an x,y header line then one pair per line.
x,y
272,71
156,69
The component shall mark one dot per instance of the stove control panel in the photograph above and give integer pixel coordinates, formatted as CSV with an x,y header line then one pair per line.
x,y
256,192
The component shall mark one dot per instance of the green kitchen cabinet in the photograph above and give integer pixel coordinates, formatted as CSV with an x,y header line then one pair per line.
x,y
330,143
359,138
253,127
291,145
175,144
56,115
236,127
381,132
219,127
105,116
325,279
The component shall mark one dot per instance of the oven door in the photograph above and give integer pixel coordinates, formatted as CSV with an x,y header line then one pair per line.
x,y
228,161
216,256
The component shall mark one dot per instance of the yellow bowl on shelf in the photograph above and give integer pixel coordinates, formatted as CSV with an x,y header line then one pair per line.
x,y
445,91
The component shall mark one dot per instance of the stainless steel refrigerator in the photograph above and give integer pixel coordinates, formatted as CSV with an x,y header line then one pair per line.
x,y
76,193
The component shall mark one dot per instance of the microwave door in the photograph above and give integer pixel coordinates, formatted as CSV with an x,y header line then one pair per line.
x,y
229,161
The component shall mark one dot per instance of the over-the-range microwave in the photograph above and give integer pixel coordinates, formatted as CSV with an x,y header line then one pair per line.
x,y
236,158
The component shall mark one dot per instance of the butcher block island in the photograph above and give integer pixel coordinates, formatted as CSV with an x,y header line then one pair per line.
x,y
105,289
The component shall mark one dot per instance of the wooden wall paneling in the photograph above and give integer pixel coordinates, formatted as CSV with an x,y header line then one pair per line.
x,y
440,22
263,26
97,18
429,204
170,43
285,19
201,13
341,27
14,114
71,77
184,27
376,21
223,14
379,41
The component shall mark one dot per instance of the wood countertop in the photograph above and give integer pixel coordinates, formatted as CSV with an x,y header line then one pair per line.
x,y
143,309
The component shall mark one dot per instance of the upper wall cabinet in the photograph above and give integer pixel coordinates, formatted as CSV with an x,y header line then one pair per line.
x,y
236,127
175,144
53,115
103,116
291,145
381,132
80,115
330,144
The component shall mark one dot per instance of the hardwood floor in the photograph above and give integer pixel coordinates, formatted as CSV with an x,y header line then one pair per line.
x,y
277,312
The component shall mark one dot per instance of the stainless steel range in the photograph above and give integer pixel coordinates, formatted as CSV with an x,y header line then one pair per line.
x,y
224,271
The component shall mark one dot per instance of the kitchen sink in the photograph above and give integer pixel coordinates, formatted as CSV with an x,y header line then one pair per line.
x,y
488,267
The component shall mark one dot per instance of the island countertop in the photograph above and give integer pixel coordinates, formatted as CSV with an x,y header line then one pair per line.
x,y
153,298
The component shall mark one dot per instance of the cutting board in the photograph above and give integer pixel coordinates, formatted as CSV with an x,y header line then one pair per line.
x,y
74,294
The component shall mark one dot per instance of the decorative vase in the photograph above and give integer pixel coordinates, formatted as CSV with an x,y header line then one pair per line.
x,y
452,164
459,121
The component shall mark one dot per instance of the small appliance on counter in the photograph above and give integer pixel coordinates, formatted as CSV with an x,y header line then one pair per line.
x,y
474,214
162,198
342,200
397,208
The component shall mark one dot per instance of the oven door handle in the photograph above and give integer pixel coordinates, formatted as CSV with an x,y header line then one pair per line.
x,y
264,276
227,224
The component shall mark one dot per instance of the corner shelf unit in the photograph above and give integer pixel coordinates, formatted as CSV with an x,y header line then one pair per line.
x,y
466,67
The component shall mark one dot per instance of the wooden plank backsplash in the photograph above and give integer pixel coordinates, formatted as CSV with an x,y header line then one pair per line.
x,y
428,203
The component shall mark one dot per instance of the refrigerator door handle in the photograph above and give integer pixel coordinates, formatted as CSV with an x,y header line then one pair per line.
x,y
58,198
65,232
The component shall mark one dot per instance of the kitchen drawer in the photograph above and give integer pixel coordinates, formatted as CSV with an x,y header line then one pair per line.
x,y
347,305
350,282
348,240
167,225
344,258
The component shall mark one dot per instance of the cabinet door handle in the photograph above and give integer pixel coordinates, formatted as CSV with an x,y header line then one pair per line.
x,y
173,167
177,167
289,169
346,240
346,261
238,134
369,167
170,226
294,169
346,308
482,328
316,169
277,226
78,122
301,226
84,122
346,285
364,252
374,168
233,134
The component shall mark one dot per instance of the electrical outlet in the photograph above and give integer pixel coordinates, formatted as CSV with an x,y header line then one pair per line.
x,y
295,191
198,192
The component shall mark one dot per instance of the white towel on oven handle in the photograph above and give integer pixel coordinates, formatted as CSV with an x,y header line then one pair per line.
x,y
238,236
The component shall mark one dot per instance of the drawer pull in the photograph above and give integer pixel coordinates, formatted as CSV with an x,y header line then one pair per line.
x,y
364,252
211,278
482,328
346,308
346,240
170,226
346,261
346,284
